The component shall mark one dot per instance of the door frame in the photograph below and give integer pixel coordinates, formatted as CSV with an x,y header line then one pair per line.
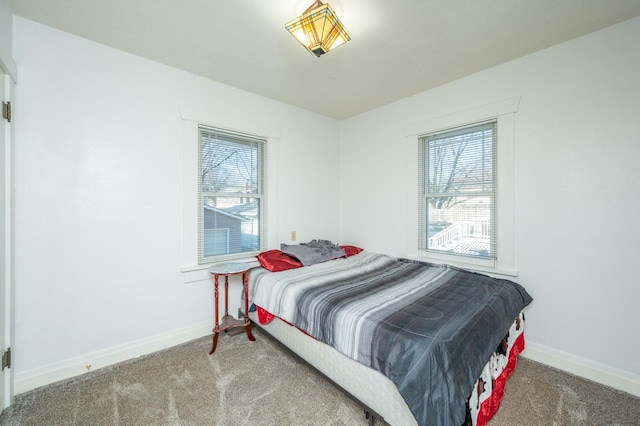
x,y
7,294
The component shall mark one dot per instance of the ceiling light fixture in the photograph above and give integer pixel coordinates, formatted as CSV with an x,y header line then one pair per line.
x,y
318,29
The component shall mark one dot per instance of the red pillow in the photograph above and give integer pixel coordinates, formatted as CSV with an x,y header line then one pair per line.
x,y
275,260
351,250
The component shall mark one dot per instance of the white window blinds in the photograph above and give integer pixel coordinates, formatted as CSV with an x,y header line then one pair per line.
x,y
232,188
458,187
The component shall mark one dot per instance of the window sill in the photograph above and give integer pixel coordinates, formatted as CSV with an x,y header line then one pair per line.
x,y
488,270
198,273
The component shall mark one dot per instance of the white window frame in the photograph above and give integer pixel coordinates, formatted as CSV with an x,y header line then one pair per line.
x,y
259,142
191,117
425,172
504,113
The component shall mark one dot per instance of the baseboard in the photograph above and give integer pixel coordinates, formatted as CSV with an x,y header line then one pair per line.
x,y
51,373
599,373
31,379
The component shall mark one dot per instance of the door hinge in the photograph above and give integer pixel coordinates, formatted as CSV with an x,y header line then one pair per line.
x,y
6,359
6,111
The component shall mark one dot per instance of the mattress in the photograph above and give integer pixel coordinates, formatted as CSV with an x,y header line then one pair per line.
x,y
428,329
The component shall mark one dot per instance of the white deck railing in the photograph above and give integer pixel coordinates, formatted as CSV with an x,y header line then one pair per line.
x,y
462,233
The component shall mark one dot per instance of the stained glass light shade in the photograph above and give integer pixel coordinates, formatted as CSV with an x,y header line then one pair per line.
x,y
318,29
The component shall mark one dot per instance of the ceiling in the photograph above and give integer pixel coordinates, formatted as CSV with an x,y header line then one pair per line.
x,y
398,48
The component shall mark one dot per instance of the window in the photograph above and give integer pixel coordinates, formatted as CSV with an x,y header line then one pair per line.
x,y
481,199
458,188
231,193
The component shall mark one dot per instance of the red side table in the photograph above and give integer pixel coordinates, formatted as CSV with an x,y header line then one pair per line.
x,y
226,270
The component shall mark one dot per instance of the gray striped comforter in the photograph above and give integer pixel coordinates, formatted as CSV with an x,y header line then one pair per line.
x,y
428,328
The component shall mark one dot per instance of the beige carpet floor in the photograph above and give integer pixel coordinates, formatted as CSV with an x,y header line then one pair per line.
x,y
257,383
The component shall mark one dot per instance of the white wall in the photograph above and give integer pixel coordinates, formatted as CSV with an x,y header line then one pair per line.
x,y
577,189
98,199
6,58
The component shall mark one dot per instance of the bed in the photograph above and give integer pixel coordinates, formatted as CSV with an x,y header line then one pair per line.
x,y
414,343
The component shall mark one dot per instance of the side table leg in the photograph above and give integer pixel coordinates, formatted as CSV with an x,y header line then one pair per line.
x,y
247,322
215,342
249,334
216,327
